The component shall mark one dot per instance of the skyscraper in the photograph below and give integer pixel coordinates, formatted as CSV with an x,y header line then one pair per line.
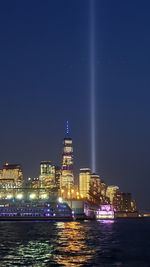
x,y
84,182
111,192
47,175
95,187
57,176
11,176
67,177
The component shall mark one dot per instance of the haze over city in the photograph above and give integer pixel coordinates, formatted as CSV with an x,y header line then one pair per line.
x,y
45,80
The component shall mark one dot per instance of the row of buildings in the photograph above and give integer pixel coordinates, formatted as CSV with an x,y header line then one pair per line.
x,y
55,181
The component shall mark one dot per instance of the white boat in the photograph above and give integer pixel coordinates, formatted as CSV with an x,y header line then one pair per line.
x,y
105,212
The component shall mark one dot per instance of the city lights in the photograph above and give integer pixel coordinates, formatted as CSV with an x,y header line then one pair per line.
x,y
60,200
106,212
42,196
91,197
32,196
9,196
19,196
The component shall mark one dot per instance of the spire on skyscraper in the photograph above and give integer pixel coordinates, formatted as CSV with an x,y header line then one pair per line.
x,y
67,177
67,128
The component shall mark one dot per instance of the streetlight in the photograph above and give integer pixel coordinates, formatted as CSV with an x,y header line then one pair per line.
x,y
60,200
19,196
44,196
9,196
32,196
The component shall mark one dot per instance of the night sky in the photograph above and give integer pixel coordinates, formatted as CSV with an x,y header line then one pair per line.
x,y
45,80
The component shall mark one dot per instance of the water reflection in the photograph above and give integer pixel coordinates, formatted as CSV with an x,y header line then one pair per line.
x,y
45,244
65,244
106,221
34,253
74,244
26,244
72,247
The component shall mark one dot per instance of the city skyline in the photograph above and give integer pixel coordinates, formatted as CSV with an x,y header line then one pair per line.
x,y
45,79
86,194
74,133
61,182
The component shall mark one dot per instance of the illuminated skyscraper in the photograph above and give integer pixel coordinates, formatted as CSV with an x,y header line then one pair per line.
x,y
111,192
47,175
126,201
57,176
123,202
95,188
11,176
67,177
84,182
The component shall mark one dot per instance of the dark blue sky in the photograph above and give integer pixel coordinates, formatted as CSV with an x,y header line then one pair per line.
x,y
45,80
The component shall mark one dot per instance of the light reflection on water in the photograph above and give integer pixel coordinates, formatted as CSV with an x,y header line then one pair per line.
x,y
37,244
106,221
75,244
75,252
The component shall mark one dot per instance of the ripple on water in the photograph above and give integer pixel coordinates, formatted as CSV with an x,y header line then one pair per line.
x,y
75,244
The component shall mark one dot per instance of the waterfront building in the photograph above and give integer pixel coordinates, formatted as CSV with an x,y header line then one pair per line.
x,y
117,201
67,177
96,182
84,182
47,175
95,188
126,201
111,191
123,202
133,205
35,183
57,177
103,189
11,176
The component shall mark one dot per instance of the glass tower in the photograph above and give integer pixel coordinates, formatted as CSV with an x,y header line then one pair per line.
x,y
67,177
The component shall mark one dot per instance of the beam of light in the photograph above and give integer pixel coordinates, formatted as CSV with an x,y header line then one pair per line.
x,y
92,85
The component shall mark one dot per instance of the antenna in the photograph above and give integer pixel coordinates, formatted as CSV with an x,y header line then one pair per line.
x,y
67,128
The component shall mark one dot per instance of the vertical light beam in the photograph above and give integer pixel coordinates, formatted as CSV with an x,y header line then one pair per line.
x,y
92,85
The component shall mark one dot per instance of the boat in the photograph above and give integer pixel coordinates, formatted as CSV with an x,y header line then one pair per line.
x,y
105,212
38,211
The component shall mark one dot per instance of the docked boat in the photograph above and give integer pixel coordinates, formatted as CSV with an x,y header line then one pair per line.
x,y
105,212
30,211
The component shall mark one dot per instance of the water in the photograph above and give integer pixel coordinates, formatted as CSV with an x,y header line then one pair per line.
x,y
90,243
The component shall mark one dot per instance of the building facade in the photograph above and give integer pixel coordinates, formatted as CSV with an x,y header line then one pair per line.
x,y
67,177
95,188
84,182
111,192
123,202
57,177
11,176
47,175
